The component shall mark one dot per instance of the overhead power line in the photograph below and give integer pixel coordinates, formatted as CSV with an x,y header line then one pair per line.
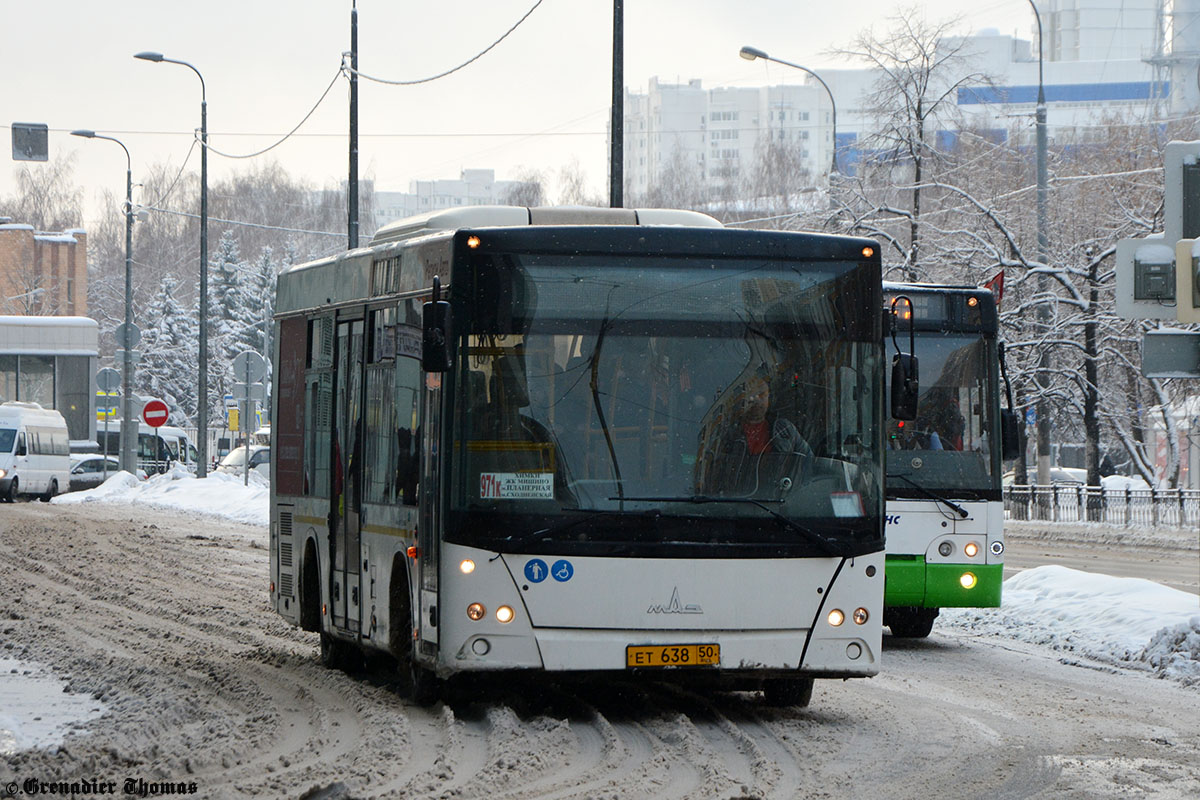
x,y
470,60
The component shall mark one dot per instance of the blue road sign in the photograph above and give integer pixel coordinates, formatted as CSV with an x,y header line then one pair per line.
x,y
535,570
562,571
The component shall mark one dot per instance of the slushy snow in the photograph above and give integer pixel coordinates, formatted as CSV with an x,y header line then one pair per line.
x,y
1125,622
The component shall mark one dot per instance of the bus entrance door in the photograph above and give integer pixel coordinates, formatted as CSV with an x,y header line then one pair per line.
x,y
430,516
347,476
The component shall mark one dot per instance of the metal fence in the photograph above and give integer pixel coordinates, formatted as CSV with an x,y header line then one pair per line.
x,y
1179,508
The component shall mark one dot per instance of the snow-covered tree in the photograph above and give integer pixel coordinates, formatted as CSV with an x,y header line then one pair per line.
x,y
170,362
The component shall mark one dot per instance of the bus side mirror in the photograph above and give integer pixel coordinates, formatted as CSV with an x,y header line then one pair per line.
x,y
904,386
20,445
1010,435
435,336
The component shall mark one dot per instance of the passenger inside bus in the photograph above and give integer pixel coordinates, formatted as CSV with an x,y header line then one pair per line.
x,y
757,449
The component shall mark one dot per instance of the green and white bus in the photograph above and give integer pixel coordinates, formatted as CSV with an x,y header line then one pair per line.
x,y
945,509
500,445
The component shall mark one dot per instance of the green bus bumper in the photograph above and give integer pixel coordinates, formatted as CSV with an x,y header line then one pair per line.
x,y
912,582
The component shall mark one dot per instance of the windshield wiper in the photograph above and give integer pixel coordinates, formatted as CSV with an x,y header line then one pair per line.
x,y
791,526
962,512
559,527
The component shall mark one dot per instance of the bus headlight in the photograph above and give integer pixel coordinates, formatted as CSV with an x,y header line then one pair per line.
x,y
836,617
971,549
504,614
476,611
860,616
467,566
968,580
2,473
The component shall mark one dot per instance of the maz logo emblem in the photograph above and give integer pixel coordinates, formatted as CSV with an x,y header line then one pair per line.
x,y
675,607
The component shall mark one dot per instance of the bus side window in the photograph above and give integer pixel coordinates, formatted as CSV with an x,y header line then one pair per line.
x,y
21,443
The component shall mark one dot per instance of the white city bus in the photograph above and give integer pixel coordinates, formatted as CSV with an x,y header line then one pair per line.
x,y
945,511
530,472
35,451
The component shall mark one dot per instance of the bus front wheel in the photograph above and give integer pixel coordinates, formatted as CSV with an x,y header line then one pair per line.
x,y
910,622
422,684
782,692
11,497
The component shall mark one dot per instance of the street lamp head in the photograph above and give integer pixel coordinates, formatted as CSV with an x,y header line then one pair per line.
x,y
751,53
147,55
84,134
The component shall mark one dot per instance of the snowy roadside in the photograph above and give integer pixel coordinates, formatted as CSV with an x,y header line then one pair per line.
x,y
219,494
1125,622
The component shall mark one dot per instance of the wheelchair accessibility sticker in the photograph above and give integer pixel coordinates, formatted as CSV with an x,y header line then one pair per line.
x,y
562,571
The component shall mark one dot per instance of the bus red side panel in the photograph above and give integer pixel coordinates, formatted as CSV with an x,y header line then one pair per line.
x,y
288,426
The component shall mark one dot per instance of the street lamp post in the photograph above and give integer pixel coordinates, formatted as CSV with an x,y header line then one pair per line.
x,y
1043,239
129,428
202,382
751,53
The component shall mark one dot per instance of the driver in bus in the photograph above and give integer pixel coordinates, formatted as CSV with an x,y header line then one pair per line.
x,y
758,448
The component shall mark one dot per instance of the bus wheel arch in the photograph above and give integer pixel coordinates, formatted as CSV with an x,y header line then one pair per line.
x,y
310,589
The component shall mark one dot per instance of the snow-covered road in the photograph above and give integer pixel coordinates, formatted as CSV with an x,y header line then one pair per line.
x,y
162,616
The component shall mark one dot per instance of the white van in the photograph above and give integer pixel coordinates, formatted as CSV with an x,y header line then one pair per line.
x,y
157,448
35,451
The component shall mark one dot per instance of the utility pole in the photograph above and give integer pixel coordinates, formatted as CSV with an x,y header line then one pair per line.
x,y
352,184
616,168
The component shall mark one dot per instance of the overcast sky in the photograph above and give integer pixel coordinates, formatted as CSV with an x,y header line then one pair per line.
x,y
538,100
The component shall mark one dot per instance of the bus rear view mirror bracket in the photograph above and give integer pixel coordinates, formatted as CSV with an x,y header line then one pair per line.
x,y
435,333
905,386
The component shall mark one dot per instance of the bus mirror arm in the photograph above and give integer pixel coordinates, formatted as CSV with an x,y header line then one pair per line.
x,y
435,338
905,384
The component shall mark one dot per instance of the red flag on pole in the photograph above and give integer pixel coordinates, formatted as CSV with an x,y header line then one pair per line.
x,y
996,284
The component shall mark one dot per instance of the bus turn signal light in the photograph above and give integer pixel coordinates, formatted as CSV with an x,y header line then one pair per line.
x,y
836,617
412,552
504,614
476,611
971,549
467,566
861,616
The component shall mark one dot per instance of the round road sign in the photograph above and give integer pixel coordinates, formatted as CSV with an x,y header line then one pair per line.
x,y
155,412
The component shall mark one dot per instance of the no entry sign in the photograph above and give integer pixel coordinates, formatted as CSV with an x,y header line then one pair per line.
x,y
155,412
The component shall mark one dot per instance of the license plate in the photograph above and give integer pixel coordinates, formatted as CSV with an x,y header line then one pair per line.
x,y
673,655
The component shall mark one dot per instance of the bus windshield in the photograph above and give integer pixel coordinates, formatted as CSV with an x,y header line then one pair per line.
x,y
7,437
732,404
950,443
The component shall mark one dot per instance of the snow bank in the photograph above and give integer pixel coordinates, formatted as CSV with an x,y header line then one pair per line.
x,y
219,494
1127,622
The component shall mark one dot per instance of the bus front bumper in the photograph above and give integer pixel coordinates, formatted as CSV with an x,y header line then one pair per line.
x,y
913,582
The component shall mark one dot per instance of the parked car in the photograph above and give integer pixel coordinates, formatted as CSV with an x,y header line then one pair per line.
x,y
235,461
1059,476
88,471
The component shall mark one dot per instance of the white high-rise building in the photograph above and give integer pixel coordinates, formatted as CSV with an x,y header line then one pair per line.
x,y
716,134
474,187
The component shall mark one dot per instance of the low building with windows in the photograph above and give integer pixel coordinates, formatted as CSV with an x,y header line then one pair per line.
x,y
52,361
42,272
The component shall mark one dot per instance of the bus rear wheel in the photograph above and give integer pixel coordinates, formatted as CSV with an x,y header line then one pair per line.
x,y
784,692
336,654
910,622
51,490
